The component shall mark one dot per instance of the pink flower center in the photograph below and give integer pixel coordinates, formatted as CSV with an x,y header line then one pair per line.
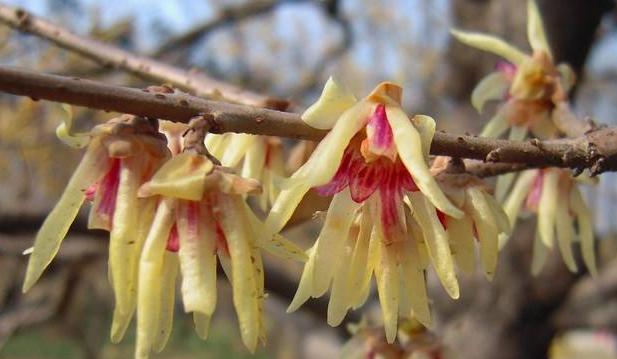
x,y
173,242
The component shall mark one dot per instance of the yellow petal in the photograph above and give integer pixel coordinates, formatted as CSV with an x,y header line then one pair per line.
x,y
305,286
361,268
460,232
565,233
202,325
514,202
426,128
64,131
409,145
547,207
332,239
492,87
491,44
485,223
539,255
125,246
501,218
197,258
168,296
150,272
236,227
388,285
436,240
285,205
496,126
255,159
217,144
535,29
341,291
414,283
567,77
57,223
237,148
585,229
334,100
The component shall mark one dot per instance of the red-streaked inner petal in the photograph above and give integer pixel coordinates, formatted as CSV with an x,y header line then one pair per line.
x,y
366,180
404,178
108,187
379,136
443,219
342,175
173,243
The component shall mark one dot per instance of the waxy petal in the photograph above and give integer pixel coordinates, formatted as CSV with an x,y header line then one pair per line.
x,y
409,145
494,86
585,229
485,223
361,267
254,160
202,324
197,253
64,131
535,29
334,100
168,299
413,280
237,148
513,204
462,243
425,125
57,223
181,177
305,286
340,293
388,287
436,243
565,231
547,207
491,44
150,273
379,134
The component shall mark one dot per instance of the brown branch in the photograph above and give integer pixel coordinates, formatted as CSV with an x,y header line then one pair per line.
x,y
596,150
194,81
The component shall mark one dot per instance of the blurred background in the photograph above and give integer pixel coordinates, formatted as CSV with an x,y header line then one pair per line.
x,y
288,49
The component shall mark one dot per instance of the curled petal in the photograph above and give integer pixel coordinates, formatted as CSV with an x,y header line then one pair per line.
x,y
57,223
491,44
492,87
409,146
64,131
436,240
535,29
216,144
585,229
334,100
547,207
426,128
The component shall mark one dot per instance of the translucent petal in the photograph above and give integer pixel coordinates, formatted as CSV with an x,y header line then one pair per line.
x,y
340,293
57,223
334,100
514,202
539,255
494,86
535,29
585,229
501,218
237,148
484,221
181,177
496,126
64,131
388,286
305,286
332,238
202,325
409,146
547,207
285,205
255,159
460,233
565,231
196,233
491,44
436,240
426,128
236,227
216,144
372,260
124,251
150,272
168,296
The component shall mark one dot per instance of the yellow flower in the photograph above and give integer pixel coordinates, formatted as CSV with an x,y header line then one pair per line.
x,y
555,197
530,86
122,154
202,215
261,157
370,161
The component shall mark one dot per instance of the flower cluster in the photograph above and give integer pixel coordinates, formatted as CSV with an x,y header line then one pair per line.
x,y
165,214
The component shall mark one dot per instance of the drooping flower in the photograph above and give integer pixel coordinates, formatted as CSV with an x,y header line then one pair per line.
x,y
372,158
121,155
261,158
202,216
554,195
530,86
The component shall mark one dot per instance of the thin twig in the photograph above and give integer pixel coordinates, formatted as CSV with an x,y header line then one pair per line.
x,y
596,150
194,81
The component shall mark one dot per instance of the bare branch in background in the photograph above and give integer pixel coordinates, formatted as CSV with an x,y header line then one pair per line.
x,y
194,81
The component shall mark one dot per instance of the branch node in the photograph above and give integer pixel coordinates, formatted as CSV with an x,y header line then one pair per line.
x,y
493,156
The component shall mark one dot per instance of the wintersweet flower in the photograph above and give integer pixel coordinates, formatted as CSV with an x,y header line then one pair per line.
x,y
202,216
484,220
370,160
261,158
554,195
121,155
530,86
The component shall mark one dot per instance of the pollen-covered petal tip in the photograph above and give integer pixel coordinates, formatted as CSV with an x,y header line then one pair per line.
x,y
334,100
490,44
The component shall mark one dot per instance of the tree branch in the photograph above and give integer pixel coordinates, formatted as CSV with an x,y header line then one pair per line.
x,y
596,150
196,82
